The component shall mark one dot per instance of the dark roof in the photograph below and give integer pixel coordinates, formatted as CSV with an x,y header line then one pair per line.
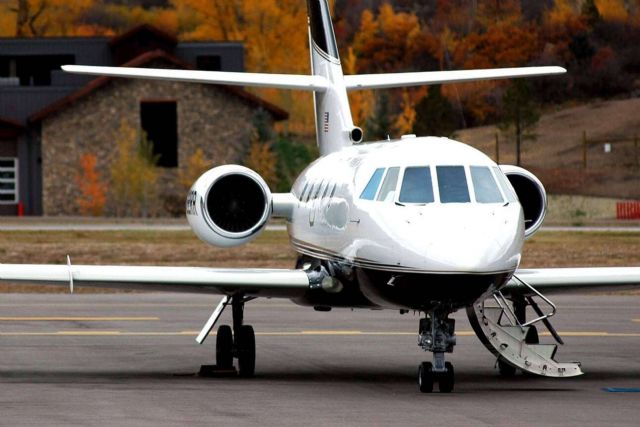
x,y
9,128
143,28
276,112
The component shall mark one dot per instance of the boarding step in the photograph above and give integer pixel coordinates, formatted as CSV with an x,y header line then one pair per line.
x,y
508,342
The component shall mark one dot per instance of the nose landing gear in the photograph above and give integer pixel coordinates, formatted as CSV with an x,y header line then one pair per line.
x,y
437,335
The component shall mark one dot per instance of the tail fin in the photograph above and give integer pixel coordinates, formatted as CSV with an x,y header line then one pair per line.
x,y
334,124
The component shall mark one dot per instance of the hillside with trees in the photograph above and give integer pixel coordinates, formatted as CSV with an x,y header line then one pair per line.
x,y
598,41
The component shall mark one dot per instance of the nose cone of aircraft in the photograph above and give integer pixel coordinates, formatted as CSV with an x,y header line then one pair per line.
x,y
467,239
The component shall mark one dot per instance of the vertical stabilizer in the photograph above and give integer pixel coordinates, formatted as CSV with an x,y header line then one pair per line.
x,y
334,124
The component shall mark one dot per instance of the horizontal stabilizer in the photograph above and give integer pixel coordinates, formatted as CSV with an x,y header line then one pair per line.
x,y
278,81
383,81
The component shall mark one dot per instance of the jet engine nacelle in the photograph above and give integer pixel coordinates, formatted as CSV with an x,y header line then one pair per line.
x,y
229,205
532,196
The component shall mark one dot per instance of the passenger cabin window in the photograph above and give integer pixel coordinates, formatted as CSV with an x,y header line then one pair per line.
x,y
452,183
504,184
388,190
485,186
369,192
417,186
304,190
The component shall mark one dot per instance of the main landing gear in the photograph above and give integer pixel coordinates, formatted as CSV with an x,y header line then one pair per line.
x,y
437,335
239,342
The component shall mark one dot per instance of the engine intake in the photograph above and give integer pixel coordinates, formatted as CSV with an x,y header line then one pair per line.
x,y
532,196
229,206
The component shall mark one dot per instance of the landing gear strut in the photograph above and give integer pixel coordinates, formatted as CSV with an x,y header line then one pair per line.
x,y
437,335
239,343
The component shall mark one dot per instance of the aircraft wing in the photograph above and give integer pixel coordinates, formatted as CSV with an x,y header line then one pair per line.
x,y
559,280
252,282
382,81
279,81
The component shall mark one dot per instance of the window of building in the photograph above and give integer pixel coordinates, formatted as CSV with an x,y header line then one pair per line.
x,y
417,186
33,70
369,192
8,180
388,190
485,186
209,63
159,120
452,183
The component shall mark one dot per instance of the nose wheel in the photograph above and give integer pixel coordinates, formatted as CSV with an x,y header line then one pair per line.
x,y
437,336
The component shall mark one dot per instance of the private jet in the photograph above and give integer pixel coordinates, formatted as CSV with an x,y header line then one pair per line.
x,y
423,224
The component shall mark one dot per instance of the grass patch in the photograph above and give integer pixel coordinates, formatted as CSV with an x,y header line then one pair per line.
x,y
270,250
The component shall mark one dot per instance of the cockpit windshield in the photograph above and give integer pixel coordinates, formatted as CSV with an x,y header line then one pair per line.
x,y
485,186
452,183
456,184
417,186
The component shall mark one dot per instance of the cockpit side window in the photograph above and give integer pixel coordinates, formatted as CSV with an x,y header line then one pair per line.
x,y
388,190
485,186
417,186
452,183
369,192
504,184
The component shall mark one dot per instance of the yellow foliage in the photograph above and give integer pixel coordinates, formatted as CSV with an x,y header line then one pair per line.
x,y
134,176
275,36
197,164
561,12
361,101
612,10
407,117
262,160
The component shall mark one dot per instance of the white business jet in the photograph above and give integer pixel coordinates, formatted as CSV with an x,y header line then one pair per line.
x,y
425,224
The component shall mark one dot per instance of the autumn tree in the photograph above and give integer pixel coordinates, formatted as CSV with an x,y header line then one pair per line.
x,y
435,116
590,12
92,189
260,157
27,15
196,165
379,124
292,158
520,114
134,175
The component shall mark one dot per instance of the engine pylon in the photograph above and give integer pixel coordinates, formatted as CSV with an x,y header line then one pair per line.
x,y
508,341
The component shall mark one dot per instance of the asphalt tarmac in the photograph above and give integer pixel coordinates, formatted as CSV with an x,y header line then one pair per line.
x,y
131,359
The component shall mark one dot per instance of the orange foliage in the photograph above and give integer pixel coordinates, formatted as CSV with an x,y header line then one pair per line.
x,y
275,36
92,189
404,122
613,10
391,41
499,12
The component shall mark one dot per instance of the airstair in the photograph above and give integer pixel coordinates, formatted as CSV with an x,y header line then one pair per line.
x,y
501,325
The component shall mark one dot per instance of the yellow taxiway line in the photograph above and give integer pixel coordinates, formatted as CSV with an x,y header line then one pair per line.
x,y
98,333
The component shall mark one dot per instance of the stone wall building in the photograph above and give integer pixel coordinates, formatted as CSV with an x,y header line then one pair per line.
x,y
179,118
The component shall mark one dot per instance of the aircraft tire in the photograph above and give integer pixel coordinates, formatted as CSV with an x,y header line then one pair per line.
x,y
505,369
224,347
425,377
246,341
446,380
